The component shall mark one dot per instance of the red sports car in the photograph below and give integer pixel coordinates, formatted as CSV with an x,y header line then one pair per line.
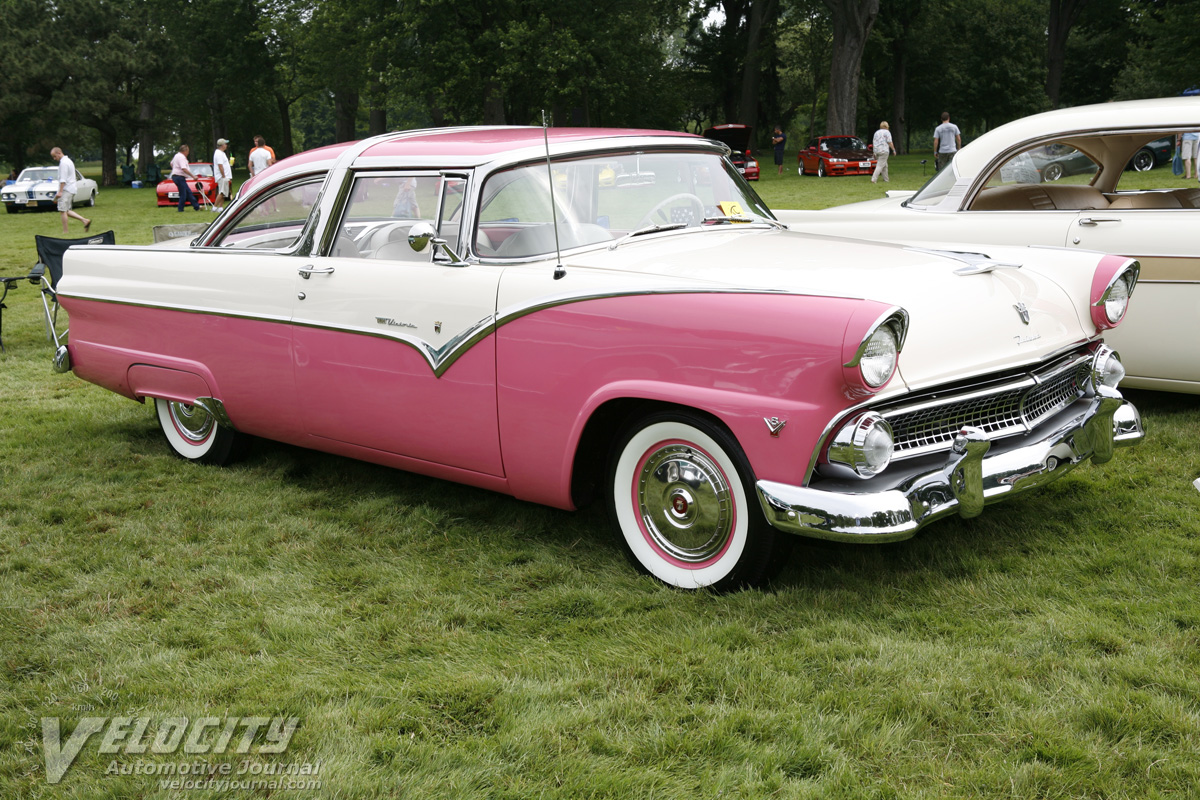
x,y
737,137
836,155
204,184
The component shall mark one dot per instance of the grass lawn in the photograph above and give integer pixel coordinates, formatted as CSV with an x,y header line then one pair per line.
x,y
437,641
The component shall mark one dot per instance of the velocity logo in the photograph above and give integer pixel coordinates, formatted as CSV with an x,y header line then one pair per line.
x,y
136,736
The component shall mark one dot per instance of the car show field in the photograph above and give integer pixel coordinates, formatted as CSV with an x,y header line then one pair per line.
x,y
480,645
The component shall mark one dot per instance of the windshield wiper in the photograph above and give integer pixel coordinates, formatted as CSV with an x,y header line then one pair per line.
x,y
742,218
670,226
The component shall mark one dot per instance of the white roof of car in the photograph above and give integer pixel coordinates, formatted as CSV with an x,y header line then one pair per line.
x,y
1130,115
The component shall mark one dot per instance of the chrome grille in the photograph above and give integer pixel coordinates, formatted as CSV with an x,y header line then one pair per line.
x,y
1005,407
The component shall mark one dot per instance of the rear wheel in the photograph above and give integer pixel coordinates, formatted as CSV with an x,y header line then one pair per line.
x,y
1143,160
800,167
682,499
194,434
92,200
1053,172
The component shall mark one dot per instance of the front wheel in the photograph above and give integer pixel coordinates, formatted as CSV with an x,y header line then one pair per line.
x,y
1053,172
11,208
682,499
820,169
194,434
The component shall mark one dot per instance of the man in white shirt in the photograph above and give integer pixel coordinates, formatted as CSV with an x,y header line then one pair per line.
x,y
222,172
67,188
261,156
180,174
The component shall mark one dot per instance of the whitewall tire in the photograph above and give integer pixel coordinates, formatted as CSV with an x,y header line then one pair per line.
x,y
194,434
682,499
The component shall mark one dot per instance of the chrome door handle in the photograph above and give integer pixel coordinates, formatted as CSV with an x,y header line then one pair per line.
x,y
1093,221
308,270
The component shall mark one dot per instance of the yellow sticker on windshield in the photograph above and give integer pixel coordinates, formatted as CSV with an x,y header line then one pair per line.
x,y
732,209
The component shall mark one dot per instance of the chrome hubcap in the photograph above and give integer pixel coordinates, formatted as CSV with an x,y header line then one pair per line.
x,y
193,423
685,504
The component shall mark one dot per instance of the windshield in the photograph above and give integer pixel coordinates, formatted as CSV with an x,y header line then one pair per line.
x,y
844,143
201,170
38,174
602,198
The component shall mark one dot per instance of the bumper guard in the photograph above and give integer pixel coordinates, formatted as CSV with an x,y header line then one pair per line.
x,y
968,480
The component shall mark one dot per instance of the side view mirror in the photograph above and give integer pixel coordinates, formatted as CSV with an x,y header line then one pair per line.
x,y
421,235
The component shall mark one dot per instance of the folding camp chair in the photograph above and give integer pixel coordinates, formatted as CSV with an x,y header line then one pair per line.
x,y
49,270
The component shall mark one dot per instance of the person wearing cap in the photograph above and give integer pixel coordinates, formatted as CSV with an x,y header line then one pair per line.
x,y
223,172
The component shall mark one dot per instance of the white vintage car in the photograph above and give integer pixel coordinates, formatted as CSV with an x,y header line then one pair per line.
x,y
556,316
1015,185
35,188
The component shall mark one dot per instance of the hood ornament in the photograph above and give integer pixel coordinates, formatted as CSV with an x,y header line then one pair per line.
x,y
1023,310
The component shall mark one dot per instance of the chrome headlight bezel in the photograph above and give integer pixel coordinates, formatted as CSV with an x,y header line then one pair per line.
x,y
887,332
1110,305
857,451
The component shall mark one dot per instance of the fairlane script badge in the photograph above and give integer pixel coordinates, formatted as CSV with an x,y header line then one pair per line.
x,y
1030,338
394,323
1023,311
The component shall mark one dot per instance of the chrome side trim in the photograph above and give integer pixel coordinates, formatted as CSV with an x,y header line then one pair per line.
x,y
440,358
971,477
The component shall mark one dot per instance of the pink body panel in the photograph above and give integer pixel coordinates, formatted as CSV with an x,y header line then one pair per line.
x,y
246,364
169,384
740,357
380,393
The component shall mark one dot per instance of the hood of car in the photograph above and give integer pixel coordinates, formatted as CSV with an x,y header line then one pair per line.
x,y
737,137
37,186
851,154
960,324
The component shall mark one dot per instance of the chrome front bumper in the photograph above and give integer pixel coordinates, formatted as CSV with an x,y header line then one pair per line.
x,y
976,473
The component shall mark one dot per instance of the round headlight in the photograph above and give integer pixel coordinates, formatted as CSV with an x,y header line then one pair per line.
x,y
1117,299
879,358
862,448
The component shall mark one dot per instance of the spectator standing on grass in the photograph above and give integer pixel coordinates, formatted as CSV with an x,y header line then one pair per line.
x,y
223,172
947,138
66,188
779,140
883,146
180,175
261,156
1189,149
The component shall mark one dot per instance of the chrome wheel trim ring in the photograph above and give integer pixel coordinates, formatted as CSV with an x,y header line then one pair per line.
x,y
684,503
193,423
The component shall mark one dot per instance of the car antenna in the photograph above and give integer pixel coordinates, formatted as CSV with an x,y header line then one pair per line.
x,y
559,271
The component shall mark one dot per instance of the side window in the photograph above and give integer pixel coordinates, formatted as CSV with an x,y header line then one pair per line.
x,y
383,208
274,221
1047,163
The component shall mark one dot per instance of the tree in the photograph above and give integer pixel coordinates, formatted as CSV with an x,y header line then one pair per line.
x,y
1063,16
852,21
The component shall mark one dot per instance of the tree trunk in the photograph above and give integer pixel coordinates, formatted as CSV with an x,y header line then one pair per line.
x,y
286,146
145,138
852,21
345,115
760,11
1063,16
108,154
899,81
377,116
493,104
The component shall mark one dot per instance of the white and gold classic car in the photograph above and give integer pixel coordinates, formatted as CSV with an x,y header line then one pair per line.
x,y
565,314
1009,187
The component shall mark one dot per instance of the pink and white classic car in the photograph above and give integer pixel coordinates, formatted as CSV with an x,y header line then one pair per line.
x,y
615,313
